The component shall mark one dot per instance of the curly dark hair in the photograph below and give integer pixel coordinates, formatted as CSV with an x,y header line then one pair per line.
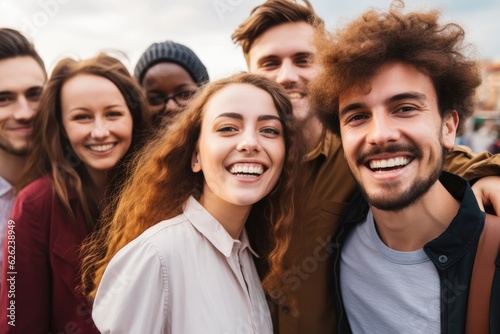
x,y
353,54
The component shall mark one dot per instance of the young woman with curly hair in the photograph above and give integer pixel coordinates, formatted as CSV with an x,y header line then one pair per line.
x,y
178,257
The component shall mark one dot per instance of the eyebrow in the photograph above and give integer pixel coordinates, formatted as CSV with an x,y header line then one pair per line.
x,y
27,90
240,116
176,88
111,106
273,56
397,97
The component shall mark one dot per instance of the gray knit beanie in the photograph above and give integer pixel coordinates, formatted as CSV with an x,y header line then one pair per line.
x,y
169,51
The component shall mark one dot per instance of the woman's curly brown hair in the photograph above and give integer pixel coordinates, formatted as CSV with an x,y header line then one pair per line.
x,y
161,180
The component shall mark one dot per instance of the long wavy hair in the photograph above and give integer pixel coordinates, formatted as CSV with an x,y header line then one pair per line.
x,y
51,154
162,180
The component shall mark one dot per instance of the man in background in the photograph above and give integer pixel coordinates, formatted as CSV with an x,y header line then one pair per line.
x,y
22,76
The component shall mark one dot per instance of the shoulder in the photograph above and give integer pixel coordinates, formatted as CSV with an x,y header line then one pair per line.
x,y
168,232
40,188
35,198
165,241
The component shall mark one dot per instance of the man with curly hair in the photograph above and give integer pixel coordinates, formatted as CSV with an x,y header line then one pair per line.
x,y
403,85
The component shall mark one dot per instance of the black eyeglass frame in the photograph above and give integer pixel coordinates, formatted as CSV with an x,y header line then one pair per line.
x,y
165,99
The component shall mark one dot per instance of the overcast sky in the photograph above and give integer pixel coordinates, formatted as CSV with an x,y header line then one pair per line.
x,y
82,28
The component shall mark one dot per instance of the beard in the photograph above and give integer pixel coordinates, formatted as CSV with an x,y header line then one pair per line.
x,y
414,192
18,152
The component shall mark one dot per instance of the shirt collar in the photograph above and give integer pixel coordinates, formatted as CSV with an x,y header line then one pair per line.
x,y
5,187
323,147
207,225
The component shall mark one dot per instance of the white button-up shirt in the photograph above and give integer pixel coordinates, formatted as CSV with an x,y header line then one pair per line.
x,y
184,275
7,198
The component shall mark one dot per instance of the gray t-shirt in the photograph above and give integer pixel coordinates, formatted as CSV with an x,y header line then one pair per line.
x,y
387,291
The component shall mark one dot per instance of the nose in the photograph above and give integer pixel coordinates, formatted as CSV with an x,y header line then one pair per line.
x,y
171,106
100,130
287,73
26,109
248,144
381,130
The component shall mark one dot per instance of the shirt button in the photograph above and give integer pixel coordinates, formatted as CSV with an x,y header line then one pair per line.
x,y
285,309
443,258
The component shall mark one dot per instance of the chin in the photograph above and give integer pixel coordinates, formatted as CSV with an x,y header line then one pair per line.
x,y
246,201
300,109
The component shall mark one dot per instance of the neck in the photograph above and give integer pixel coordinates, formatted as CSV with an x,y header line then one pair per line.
x,y
313,132
11,167
413,227
100,179
231,217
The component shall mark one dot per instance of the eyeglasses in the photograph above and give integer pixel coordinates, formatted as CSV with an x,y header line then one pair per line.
x,y
180,98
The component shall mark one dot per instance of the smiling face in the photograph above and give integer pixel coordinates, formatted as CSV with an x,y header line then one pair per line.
x,y
97,121
241,148
167,79
284,53
394,137
21,83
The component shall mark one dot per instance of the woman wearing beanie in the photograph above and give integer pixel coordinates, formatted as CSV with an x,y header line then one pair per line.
x,y
170,73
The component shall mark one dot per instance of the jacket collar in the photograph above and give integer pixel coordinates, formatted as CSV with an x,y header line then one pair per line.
x,y
323,147
465,228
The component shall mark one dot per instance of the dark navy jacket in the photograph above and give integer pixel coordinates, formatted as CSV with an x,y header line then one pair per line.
x,y
452,253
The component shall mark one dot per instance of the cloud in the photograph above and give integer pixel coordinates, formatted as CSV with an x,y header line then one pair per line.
x,y
83,28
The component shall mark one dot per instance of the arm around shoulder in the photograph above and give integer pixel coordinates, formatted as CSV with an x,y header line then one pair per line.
x,y
462,161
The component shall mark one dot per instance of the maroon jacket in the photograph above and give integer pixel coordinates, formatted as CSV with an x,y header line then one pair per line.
x,y
38,291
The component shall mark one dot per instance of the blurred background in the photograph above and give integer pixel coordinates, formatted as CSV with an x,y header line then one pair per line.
x,y
82,28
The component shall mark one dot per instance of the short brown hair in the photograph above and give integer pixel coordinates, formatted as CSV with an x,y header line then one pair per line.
x,y
14,44
354,53
272,13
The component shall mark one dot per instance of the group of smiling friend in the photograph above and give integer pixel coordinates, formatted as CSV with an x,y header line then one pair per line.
x,y
305,196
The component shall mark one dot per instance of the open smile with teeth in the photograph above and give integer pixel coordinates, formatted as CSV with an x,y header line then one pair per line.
x,y
295,95
247,170
100,148
389,164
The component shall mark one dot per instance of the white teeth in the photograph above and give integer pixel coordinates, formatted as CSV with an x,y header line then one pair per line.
x,y
392,162
245,169
294,95
101,148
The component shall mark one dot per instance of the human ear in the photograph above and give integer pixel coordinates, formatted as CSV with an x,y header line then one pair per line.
x,y
449,130
195,161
